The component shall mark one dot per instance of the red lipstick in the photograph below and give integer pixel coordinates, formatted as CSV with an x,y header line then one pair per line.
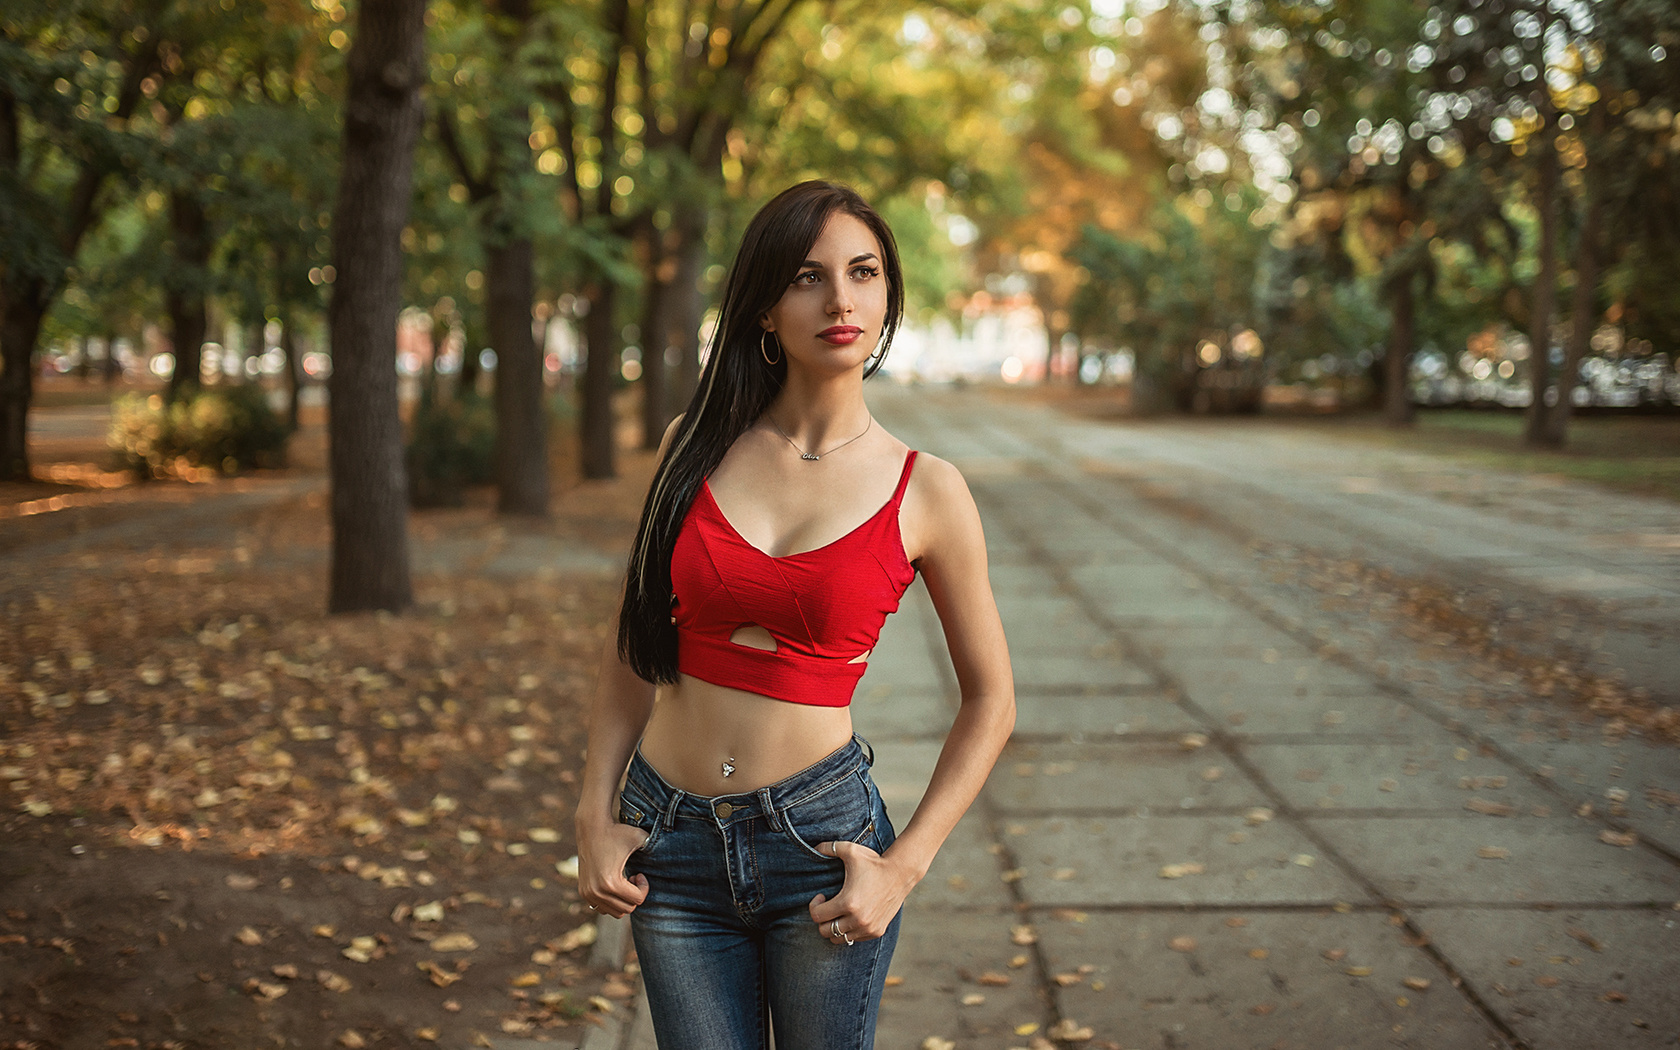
x,y
840,334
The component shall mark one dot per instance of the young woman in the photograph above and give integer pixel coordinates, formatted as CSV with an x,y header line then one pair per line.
x,y
748,843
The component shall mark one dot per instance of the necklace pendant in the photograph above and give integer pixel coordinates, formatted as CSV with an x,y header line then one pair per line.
x,y
808,455
728,767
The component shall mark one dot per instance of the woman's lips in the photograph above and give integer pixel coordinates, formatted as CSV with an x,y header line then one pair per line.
x,y
840,334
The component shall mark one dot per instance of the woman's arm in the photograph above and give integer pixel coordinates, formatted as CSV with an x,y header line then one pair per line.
x,y
950,548
620,712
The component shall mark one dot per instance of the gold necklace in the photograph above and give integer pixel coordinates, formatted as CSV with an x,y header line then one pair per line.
x,y
814,456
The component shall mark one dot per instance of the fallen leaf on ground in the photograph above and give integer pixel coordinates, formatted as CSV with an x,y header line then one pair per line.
x,y
1212,773
1305,860
352,1040
1618,838
1258,815
1068,980
1193,741
332,982
1585,938
1334,954
572,940
264,989
1613,997
431,911
454,942
973,999
1023,935
933,1042
1358,971
248,936
894,981
1182,944
238,881
1493,852
428,1034
1259,953
993,979
1018,961
1262,1009
567,868
1068,1030
1178,871
287,970
529,979
1547,981
1417,984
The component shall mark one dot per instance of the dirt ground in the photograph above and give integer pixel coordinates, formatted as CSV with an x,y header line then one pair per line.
x,y
230,820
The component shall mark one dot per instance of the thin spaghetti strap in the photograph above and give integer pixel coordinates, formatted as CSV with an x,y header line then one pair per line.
x,y
904,478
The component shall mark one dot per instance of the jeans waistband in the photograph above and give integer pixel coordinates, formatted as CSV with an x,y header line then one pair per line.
x,y
768,802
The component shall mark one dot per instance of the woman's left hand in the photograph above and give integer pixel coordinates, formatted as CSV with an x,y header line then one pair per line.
x,y
868,901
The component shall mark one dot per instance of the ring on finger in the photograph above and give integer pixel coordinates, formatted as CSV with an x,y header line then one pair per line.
x,y
834,927
849,941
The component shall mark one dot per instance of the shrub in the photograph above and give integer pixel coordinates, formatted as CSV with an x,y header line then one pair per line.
x,y
451,445
227,429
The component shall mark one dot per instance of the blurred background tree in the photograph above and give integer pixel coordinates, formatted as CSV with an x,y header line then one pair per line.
x,y
1202,196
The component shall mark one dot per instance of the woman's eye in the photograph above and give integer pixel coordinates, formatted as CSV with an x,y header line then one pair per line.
x,y
802,277
863,273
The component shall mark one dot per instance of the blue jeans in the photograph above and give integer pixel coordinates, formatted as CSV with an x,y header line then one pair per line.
x,y
725,938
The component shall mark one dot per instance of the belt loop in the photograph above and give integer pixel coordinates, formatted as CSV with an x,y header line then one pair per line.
x,y
770,812
670,815
868,749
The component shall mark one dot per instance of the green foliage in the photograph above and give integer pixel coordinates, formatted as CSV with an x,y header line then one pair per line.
x,y
225,428
451,445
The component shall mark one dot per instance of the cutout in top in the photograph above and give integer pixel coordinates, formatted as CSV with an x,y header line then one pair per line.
x,y
861,658
753,636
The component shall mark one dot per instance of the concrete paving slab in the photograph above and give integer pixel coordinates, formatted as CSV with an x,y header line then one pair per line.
x,y
1539,972
1202,675
1162,607
1035,672
940,963
1073,716
1259,713
1440,774
966,874
1426,860
1069,778
1266,983
1235,640
1078,861
901,773
881,713
1648,774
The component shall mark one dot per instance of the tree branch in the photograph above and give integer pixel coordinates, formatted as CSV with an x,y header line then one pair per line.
x,y
477,188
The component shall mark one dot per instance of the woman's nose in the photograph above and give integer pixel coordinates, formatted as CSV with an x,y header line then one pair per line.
x,y
840,299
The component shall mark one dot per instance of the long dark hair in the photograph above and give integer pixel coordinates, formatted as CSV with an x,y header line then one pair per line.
x,y
735,388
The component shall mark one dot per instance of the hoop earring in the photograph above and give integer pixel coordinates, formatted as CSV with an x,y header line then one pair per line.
x,y
764,351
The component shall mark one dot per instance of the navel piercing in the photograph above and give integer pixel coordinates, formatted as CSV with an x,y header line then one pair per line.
x,y
728,766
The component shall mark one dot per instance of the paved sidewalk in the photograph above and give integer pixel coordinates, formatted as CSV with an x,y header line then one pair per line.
x,y
1212,829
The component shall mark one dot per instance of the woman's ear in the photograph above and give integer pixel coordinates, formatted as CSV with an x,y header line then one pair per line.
x,y
765,323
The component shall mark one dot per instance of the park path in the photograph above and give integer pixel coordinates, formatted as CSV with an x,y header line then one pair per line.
x,y
1235,814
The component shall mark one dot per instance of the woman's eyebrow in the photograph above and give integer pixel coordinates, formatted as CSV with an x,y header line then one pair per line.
x,y
812,264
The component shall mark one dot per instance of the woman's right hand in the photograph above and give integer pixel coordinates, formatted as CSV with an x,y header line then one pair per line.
x,y
602,853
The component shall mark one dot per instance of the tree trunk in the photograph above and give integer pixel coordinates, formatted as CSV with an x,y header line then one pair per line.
x,y
113,367
184,299
472,343
521,430
1582,315
656,336
23,306
686,308
1397,358
1545,292
600,364
382,115
294,371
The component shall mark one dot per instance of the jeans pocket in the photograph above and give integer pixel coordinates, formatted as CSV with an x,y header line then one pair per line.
x,y
842,812
636,810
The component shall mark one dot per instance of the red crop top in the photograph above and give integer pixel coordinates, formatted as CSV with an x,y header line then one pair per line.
x,y
824,607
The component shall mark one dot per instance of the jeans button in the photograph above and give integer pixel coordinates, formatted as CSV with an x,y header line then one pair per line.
x,y
724,809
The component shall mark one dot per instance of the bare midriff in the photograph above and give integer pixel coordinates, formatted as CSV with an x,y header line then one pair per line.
x,y
696,727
